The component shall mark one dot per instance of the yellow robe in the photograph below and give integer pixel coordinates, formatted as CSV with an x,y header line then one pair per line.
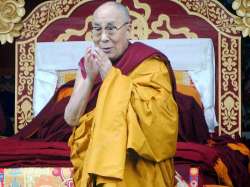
x,y
129,139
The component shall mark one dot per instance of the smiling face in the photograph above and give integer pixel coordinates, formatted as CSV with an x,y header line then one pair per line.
x,y
113,42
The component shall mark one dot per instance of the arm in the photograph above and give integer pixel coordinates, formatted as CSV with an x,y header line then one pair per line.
x,y
78,100
82,89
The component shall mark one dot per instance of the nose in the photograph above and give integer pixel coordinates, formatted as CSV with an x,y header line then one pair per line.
x,y
104,36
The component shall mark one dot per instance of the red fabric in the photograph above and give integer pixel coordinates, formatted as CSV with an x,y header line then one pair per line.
x,y
42,142
192,123
16,153
49,124
204,157
236,162
196,152
196,155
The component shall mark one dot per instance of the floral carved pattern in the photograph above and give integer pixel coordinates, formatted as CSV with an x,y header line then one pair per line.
x,y
229,64
230,100
45,13
214,12
11,12
230,107
242,8
26,71
25,82
23,112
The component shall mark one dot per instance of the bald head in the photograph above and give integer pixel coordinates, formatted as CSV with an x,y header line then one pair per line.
x,y
111,29
114,8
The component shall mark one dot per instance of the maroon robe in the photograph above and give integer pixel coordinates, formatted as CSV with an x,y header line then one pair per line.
x,y
42,142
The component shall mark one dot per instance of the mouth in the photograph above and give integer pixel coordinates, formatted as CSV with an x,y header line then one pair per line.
x,y
106,49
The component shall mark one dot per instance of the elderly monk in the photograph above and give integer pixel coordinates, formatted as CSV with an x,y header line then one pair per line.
x,y
122,108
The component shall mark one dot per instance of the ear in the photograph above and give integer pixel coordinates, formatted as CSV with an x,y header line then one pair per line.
x,y
128,32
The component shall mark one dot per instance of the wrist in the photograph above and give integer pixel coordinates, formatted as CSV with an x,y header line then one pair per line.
x,y
89,81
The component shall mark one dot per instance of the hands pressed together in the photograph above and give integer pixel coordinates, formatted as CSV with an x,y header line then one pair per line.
x,y
96,61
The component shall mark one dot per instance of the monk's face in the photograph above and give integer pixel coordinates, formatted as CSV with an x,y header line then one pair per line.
x,y
110,31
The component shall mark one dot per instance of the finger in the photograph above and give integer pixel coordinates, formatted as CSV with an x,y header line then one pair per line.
x,y
100,52
92,59
94,54
97,62
87,50
98,57
87,57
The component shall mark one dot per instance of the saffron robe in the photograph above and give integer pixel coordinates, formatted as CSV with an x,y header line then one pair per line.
x,y
129,139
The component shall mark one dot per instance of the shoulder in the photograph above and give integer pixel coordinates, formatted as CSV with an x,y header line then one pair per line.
x,y
151,65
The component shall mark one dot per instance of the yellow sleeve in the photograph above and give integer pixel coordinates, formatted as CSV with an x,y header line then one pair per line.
x,y
153,114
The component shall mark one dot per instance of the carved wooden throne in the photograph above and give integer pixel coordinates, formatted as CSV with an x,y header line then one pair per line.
x,y
69,20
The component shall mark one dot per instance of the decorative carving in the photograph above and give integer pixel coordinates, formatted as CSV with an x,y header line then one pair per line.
x,y
46,13
183,30
230,107
229,60
24,112
230,98
139,25
26,71
25,82
242,8
229,64
11,12
213,12
73,32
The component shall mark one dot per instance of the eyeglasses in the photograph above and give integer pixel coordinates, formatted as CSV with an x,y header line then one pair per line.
x,y
109,29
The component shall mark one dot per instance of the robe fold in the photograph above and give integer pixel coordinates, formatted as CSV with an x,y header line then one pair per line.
x,y
129,138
